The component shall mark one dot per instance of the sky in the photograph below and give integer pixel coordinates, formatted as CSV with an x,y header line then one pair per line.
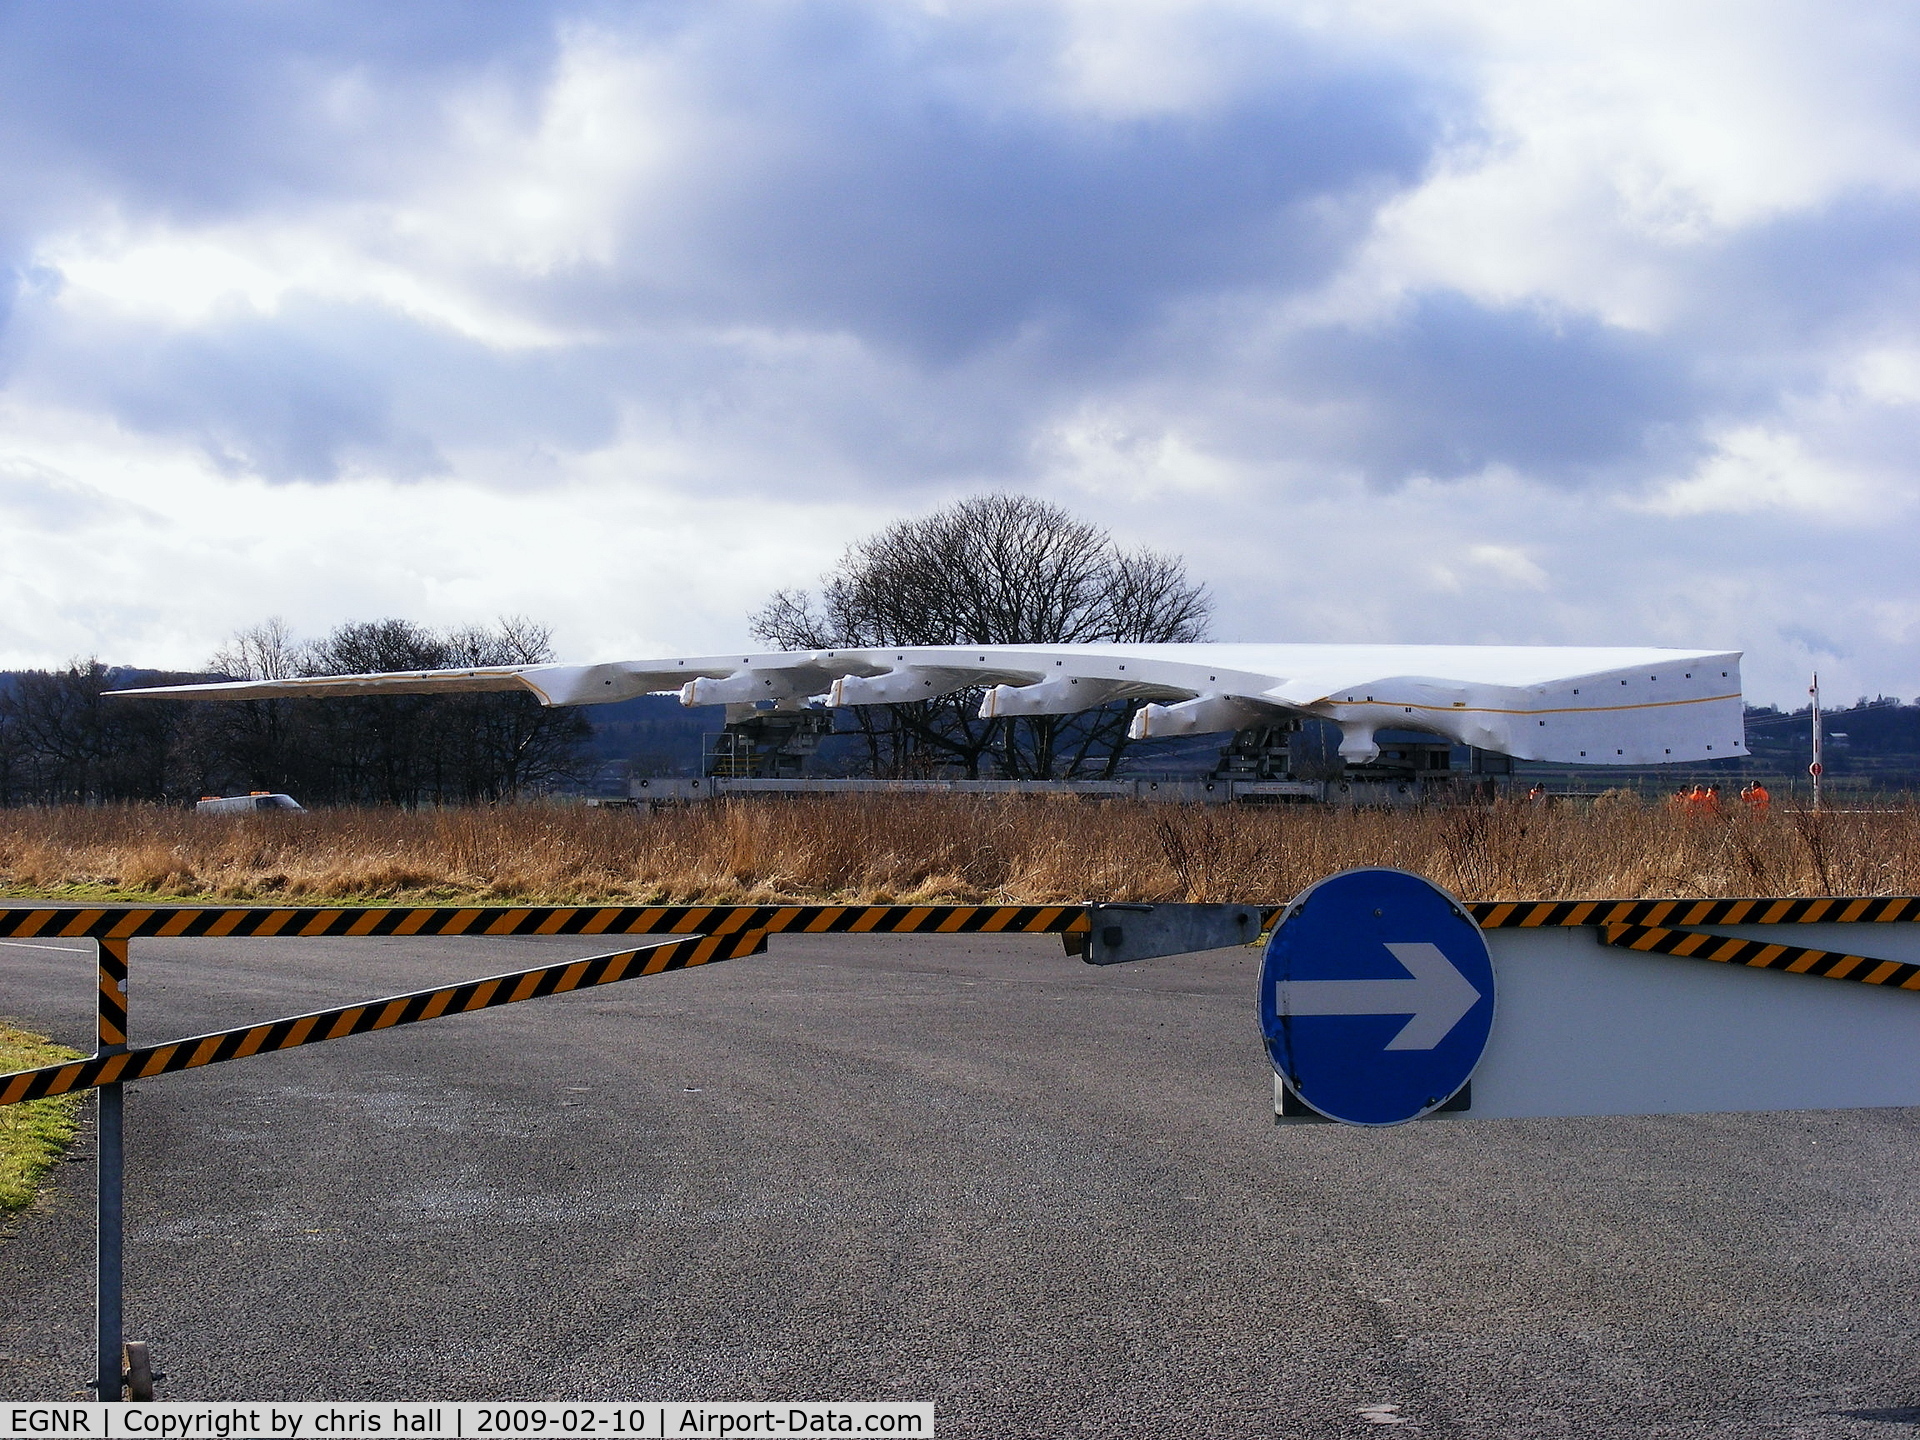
x,y
1432,321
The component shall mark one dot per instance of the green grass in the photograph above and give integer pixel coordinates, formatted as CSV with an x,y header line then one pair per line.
x,y
32,1134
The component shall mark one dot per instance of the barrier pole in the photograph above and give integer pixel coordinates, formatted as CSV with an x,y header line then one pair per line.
x,y
110,1380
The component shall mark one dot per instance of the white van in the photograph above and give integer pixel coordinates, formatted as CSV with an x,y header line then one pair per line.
x,y
237,804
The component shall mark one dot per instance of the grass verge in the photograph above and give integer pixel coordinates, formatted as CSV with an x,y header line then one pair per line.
x,y
32,1134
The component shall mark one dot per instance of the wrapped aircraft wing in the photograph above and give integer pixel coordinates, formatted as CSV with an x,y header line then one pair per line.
x,y
1565,704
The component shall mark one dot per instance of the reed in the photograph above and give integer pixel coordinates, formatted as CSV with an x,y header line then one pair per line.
x,y
925,848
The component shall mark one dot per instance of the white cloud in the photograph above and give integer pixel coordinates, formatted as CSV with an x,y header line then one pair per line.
x,y
1613,138
1508,563
1888,375
1755,469
535,185
1103,456
183,279
159,559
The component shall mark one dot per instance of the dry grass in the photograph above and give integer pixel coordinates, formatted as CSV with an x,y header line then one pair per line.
x,y
932,848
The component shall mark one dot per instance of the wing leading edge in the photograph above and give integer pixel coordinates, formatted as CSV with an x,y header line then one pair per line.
x,y
1564,704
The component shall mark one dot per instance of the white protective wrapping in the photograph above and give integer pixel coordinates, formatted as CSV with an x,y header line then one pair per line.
x,y
1565,704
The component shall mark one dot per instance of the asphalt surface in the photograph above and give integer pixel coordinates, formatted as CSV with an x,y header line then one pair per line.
x,y
1045,1196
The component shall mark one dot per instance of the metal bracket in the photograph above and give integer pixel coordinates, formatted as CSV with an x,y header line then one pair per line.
x,y
1117,934
1290,1108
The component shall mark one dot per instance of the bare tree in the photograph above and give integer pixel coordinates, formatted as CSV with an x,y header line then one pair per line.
x,y
991,570
398,749
405,748
267,651
504,743
250,744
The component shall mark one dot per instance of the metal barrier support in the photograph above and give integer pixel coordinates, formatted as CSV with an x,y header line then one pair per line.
x,y
109,1377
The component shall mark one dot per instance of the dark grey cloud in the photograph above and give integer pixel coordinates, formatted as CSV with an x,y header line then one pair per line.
x,y
273,398
1813,274
191,108
316,390
1450,387
939,217
1769,313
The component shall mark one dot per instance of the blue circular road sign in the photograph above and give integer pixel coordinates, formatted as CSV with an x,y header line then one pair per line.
x,y
1376,996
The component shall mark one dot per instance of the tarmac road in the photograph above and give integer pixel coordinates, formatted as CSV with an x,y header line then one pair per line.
x,y
1047,1197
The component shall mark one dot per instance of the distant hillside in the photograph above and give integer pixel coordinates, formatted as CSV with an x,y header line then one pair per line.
x,y
655,734
1870,746
1872,742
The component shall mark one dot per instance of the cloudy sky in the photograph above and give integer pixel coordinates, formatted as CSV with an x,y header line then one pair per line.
x,y
1438,320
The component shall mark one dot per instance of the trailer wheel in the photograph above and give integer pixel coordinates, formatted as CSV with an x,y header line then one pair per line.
x,y
140,1376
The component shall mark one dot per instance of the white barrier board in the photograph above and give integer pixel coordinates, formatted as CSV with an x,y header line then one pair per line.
x,y
1589,1029
1583,1028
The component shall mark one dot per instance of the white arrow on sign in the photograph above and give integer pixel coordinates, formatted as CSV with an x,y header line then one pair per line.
x,y
1436,996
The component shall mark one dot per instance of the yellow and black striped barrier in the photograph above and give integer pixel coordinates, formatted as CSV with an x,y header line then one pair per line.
x,y
135,922
1649,926
693,935
113,994
410,1009
688,936
1844,909
1763,955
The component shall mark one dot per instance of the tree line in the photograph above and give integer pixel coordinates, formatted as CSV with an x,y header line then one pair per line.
x,y
63,740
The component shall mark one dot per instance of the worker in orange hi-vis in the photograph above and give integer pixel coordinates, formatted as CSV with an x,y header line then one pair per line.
x,y
1755,797
1710,802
